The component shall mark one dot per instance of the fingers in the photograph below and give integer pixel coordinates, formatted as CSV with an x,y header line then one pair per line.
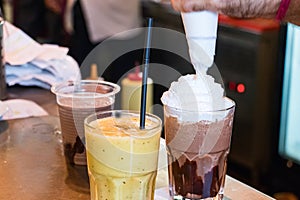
x,y
176,4
190,5
182,5
234,8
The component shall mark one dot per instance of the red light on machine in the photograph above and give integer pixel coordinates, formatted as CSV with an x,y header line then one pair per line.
x,y
240,88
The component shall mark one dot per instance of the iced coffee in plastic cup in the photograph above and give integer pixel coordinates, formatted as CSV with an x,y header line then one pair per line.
x,y
122,158
77,100
198,127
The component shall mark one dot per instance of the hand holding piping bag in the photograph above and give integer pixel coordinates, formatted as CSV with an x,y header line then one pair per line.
x,y
282,10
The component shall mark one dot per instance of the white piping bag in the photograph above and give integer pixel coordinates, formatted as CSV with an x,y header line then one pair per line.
x,y
201,33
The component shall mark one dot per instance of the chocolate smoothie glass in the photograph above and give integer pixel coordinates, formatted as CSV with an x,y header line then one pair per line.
x,y
198,143
77,100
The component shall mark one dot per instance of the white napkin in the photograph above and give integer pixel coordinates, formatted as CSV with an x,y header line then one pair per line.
x,y
20,108
3,109
29,63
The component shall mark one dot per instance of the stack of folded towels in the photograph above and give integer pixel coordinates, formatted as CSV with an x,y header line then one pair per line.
x,y
29,63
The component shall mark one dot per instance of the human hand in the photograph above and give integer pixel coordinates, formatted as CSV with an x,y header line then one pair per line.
x,y
233,8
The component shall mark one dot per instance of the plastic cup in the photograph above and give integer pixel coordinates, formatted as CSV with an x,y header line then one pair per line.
x,y
77,100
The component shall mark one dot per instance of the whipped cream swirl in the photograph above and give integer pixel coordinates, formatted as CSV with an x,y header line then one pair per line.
x,y
198,93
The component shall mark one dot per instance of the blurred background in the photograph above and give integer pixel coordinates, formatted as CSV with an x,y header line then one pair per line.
x,y
260,66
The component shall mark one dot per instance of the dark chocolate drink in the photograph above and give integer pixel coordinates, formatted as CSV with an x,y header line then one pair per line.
x,y
72,126
197,154
76,101
71,119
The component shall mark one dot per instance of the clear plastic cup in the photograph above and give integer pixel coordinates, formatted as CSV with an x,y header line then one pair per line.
x,y
77,100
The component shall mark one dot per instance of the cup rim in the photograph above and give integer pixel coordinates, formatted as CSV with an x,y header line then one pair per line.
x,y
55,89
227,108
157,126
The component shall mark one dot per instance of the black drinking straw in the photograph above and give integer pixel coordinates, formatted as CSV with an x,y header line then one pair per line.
x,y
145,74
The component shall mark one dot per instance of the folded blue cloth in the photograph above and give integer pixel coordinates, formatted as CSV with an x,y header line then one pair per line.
x,y
44,75
29,63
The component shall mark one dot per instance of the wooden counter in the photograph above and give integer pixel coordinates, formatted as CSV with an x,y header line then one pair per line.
x,y
236,190
32,164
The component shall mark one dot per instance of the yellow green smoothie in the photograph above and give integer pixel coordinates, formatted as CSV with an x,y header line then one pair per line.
x,y
122,158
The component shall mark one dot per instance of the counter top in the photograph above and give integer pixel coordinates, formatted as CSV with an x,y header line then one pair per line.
x,y
236,190
32,164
